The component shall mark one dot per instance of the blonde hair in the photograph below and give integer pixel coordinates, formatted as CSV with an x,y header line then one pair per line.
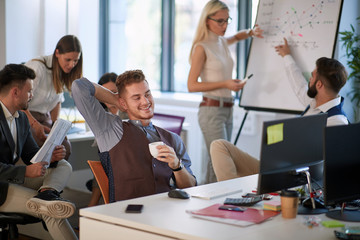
x,y
202,32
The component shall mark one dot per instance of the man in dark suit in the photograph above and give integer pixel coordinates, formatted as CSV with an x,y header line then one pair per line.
x,y
33,188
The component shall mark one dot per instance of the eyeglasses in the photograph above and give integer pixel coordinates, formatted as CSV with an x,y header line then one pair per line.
x,y
221,22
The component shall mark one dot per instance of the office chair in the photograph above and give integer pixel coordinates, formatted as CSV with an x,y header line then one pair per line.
x,y
169,122
9,221
101,179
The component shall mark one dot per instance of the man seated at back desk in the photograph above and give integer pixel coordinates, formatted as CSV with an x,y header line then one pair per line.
x,y
321,94
124,151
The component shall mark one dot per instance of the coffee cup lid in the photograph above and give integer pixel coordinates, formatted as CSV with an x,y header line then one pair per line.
x,y
289,193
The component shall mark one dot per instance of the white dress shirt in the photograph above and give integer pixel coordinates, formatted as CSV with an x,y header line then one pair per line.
x,y
12,125
45,97
300,87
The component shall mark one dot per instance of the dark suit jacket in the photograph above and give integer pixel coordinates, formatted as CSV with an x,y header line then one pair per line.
x,y
26,149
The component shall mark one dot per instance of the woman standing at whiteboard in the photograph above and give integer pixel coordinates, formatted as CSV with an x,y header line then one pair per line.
x,y
211,60
54,74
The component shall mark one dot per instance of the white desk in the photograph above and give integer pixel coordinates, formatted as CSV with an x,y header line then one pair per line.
x,y
165,218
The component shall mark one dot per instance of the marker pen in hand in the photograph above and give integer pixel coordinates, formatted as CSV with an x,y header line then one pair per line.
x,y
247,78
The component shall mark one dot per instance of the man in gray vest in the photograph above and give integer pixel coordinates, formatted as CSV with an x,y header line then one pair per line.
x,y
123,145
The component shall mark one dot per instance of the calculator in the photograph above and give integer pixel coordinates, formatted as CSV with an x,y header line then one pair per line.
x,y
248,201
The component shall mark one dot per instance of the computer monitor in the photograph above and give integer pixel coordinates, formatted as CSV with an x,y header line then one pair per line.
x,y
288,147
342,169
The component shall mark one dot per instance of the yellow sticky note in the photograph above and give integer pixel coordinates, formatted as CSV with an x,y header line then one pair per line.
x,y
275,133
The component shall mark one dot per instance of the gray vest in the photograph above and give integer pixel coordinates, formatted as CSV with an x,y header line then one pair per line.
x,y
135,172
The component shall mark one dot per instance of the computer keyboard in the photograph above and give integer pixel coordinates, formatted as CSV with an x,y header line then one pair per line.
x,y
248,201
214,193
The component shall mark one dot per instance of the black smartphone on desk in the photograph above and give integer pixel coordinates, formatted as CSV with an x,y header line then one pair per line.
x,y
134,208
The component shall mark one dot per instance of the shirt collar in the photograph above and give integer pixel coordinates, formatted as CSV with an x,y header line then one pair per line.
x,y
139,124
332,103
7,113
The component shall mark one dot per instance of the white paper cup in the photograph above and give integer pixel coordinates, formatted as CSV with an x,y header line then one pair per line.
x,y
153,150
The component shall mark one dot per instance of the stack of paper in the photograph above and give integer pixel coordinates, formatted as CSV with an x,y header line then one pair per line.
x,y
55,137
272,205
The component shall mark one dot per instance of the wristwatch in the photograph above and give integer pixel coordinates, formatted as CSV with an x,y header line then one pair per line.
x,y
250,33
181,165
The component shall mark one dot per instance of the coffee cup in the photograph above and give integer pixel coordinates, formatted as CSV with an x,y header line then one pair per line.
x,y
289,203
153,148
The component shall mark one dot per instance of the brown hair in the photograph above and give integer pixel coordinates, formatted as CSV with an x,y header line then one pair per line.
x,y
333,72
127,78
14,74
107,77
68,43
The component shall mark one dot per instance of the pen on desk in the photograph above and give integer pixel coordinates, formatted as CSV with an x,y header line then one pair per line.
x,y
248,77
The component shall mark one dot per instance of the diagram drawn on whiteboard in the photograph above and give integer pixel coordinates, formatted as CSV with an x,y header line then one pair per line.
x,y
310,26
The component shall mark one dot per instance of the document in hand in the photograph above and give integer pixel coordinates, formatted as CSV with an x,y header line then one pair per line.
x,y
245,218
55,137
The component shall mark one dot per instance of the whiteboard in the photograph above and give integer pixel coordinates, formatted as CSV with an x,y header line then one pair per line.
x,y
310,26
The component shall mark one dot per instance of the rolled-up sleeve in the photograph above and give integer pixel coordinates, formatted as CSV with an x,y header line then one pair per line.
x,y
181,153
296,80
107,128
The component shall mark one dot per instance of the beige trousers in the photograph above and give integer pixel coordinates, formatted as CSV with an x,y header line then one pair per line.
x,y
230,162
19,194
215,123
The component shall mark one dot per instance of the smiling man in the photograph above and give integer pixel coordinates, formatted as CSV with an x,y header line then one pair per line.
x,y
123,145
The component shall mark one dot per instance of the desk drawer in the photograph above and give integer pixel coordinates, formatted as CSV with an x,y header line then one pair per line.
x,y
91,229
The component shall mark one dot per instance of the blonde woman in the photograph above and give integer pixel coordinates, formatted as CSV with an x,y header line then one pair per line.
x,y
211,60
54,74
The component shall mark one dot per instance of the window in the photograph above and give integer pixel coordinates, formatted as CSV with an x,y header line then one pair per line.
x,y
135,38
255,4
187,15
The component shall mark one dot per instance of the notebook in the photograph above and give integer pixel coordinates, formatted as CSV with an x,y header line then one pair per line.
x,y
248,217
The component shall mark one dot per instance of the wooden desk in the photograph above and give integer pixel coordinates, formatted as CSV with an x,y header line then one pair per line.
x,y
165,218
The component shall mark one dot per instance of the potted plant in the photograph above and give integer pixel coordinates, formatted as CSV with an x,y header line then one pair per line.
x,y
351,41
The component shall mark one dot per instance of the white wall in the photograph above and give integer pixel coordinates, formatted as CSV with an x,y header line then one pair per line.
x,y
26,35
32,28
2,35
